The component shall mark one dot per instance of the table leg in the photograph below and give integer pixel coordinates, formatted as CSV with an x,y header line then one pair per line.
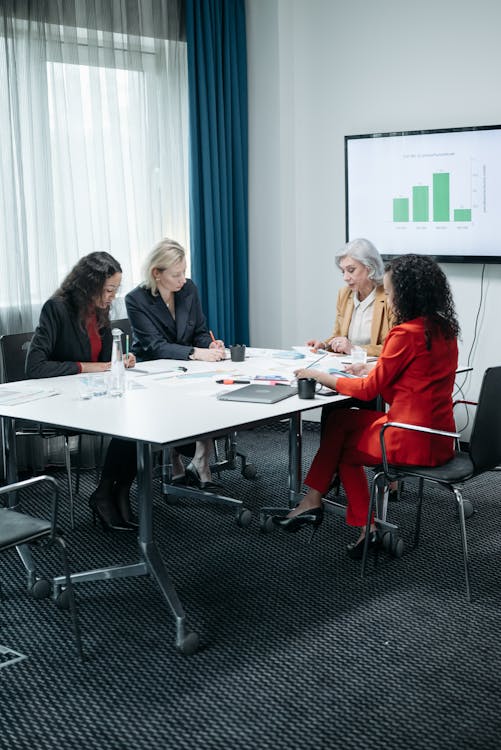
x,y
186,642
151,561
295,458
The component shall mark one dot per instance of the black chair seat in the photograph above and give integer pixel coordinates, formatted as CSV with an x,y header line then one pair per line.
x,y
19,528
458,469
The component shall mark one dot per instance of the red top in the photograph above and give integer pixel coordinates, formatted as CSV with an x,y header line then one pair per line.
x,y
96,343
418,385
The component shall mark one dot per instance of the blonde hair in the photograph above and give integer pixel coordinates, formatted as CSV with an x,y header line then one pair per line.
x,y
165,254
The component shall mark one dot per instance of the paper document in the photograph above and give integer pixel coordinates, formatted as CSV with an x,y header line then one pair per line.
x,y
347,360
23,396
156,366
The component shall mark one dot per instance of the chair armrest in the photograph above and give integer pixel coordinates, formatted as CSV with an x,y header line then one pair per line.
x,y
17,486
413,428
461,401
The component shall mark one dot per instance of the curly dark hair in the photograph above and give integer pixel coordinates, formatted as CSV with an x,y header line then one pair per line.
x,y
85,282
421,289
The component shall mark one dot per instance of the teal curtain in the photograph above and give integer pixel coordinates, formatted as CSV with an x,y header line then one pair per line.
x,y
217,83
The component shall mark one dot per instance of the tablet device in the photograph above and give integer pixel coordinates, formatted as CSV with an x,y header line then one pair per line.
x,y
259,394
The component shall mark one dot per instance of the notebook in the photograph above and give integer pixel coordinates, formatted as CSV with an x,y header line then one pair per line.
x,y
259,394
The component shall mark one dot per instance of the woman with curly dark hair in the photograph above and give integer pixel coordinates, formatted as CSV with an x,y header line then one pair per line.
x,y
414,375
74,336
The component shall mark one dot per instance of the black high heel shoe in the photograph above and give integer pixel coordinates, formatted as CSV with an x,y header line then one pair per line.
x,y
122,501
312,518
194,478
355,550
103,508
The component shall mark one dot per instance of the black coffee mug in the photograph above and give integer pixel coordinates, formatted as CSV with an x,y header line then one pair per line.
x,y
237,352
306,387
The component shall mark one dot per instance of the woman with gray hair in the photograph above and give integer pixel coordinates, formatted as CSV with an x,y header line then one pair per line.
x,y
362,318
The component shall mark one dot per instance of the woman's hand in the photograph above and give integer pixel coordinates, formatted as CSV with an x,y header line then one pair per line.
x,y
315,344
129,360
340,344
321,377
217,344
212,354
95,366
358,369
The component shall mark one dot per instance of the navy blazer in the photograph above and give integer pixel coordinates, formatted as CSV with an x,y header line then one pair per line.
x,y
60,342
155,333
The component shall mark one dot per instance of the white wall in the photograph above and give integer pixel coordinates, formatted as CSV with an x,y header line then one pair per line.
x,y
320,69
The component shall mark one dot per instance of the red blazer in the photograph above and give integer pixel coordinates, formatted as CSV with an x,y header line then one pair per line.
x,y
417,384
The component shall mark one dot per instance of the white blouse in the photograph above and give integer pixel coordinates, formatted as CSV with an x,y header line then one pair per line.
x,y
361,321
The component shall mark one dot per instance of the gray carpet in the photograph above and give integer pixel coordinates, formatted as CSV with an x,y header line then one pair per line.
x,y
296,650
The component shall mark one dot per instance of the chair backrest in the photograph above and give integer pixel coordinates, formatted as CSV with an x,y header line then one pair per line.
x,y
124,325
485,440
13,350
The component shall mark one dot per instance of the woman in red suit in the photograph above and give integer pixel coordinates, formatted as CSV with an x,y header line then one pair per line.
x,y
414,375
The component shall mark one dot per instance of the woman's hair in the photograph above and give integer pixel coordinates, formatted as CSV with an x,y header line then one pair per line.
x,y
85,283
421,289
165,254
365,252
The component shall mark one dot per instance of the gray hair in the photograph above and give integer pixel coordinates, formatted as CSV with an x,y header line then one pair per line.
x,y
165,254
365,252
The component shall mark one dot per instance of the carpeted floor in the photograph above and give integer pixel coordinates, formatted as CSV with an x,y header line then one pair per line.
x,y
297,651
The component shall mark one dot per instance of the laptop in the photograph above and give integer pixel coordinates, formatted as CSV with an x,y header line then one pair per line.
x,y
259,394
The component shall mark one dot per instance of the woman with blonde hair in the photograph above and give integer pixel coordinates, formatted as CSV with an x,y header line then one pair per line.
x,y
167,322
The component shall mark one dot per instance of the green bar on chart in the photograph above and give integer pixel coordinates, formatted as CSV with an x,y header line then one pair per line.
x,y
400,209
420,203
441,196
462,214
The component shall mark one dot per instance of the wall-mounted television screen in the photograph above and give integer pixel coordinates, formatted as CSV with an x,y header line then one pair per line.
x,y
436,192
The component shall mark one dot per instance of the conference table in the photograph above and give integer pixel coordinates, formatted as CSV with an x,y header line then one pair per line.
x,y
162,406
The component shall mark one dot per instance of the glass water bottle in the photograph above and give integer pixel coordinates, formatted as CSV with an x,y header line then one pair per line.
x,y
117,371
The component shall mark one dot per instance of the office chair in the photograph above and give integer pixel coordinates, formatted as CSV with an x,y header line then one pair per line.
x,y
483,454
13,350
17,528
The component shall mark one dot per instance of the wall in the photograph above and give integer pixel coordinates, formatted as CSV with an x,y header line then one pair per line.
x,y
320,69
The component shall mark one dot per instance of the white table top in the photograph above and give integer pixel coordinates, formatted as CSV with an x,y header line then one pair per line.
x,y
166,407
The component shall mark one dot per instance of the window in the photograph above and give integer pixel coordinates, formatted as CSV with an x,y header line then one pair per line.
x,y
98,159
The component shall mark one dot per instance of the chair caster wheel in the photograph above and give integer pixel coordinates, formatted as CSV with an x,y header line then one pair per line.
x,y
63,599
397,546
244,518
266,524
40,589
386,541
189,644
249,471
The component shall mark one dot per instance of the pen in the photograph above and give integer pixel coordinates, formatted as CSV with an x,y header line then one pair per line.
x,y
326,354
229,381
212,337
127,348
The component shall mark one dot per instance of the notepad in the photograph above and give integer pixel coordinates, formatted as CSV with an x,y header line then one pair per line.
x,y
259,394
348,360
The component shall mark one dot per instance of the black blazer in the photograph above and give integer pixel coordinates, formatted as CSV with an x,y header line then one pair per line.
x,y
155,333
60,341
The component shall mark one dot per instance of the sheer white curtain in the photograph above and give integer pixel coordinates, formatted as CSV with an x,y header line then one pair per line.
x,y
94,124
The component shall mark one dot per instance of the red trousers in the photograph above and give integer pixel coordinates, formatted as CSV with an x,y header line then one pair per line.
x,y
339,452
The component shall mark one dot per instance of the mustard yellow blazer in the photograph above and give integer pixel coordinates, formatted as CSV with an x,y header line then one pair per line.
x,y
381,319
